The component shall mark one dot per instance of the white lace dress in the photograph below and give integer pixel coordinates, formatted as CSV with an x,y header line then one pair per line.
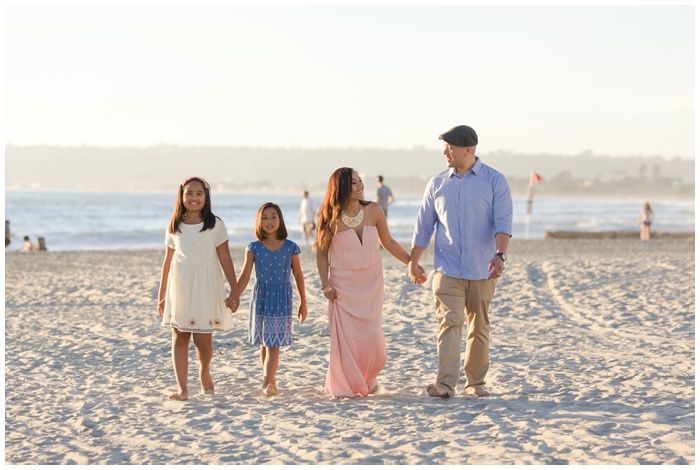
x,y
195,295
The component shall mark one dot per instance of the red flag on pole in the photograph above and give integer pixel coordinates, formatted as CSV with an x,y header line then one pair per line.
x,y
535,178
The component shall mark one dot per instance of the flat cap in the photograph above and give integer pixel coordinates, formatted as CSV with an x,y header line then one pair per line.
x,y
460,136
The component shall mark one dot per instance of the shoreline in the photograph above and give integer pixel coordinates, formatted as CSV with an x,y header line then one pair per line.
x,y
582,368
605,235
548,236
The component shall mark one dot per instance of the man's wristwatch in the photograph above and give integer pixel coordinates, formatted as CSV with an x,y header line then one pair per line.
x,y
503,256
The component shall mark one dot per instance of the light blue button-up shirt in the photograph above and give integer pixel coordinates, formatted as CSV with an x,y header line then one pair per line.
x,y
468,211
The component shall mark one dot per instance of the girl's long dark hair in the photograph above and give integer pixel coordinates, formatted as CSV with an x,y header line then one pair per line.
x,y
179,210
260,233
337,197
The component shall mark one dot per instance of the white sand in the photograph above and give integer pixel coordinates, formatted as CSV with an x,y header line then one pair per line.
x,y
593,362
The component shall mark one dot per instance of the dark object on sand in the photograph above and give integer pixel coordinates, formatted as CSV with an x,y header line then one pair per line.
x,y
40,244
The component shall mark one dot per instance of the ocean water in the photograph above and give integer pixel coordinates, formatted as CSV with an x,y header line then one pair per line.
x,y
129,220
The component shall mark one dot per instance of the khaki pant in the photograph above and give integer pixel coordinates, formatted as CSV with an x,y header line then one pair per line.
x,y
452,298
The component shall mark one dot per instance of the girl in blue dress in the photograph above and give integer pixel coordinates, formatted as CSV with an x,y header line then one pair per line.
x,y
275,259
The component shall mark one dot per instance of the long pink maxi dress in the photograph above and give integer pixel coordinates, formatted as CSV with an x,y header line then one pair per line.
x,y
358,351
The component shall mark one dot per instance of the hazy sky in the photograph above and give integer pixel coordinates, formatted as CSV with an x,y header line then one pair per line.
x,y
558,79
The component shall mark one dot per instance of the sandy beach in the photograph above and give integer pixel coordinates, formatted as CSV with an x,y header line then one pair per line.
x,y
592,362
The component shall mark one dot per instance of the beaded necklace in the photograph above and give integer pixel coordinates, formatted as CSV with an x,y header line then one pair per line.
x,y
353,221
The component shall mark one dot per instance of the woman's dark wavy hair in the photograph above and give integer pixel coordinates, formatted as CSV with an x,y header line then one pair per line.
x,y
179,210
337,197
260,233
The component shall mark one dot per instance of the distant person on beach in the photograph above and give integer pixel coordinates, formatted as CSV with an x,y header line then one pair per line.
x,y
192,300
27,246
469,206
7,234
384,196
646,217
307,217
276,259
350,268
40,244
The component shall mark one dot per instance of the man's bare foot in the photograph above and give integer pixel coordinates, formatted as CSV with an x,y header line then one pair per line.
x,y
178,396
435,390
208,391
270,390
477,391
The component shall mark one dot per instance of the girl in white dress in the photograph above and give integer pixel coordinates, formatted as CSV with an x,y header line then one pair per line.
x,y
192,298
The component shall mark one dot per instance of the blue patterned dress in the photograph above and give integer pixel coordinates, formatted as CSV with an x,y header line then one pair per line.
x,y
270,321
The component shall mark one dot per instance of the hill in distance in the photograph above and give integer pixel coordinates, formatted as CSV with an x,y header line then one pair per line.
x,y
160,168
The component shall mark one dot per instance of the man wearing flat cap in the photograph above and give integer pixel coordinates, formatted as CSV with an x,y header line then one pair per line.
x,y
470,209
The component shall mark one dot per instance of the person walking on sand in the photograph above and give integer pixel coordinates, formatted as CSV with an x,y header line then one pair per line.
x,y
646,217
307,217
469,206
350,268
384,196
275,258
191,299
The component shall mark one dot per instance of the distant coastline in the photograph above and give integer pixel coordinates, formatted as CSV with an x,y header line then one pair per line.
x,y
289,171
400,188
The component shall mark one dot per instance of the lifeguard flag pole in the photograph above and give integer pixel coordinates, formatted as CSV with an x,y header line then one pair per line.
x,y
534,179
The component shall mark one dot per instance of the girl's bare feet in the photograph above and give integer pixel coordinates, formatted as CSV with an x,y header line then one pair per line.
x,y
206,381
270,390
178,396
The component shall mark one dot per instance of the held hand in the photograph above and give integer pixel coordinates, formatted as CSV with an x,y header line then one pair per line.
x,y
331,294
302,313
496,267
422,278
232,302
416,273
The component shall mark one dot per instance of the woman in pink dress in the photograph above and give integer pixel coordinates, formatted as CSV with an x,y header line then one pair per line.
x,y
347,255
